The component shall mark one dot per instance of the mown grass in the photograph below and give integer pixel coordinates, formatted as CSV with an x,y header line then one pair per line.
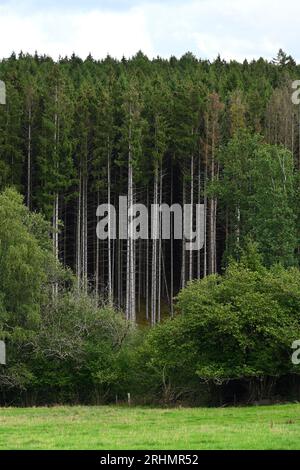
x,y
111,427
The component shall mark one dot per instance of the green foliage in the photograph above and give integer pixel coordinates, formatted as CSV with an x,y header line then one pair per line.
x,y
22,263
75,119
78,348
25,264
63,345
55,143
239,326
258,188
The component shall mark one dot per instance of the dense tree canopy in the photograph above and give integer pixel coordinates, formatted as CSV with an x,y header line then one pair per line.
x,y
78,133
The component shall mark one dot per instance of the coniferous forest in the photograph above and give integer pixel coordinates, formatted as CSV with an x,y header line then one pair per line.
x,y
90,320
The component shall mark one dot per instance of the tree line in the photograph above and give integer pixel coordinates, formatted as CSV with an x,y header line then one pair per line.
x,y
230,341
76,133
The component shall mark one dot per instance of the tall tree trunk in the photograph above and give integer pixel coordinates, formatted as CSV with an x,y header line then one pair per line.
x,y
238,223
183,257
172,252
191,218
81,242
78,234
29,157
56,198
155,223
110,293
212,211
199,202
130,294
119,275
205,267
55,237
159,290
97,261
147,265
84,233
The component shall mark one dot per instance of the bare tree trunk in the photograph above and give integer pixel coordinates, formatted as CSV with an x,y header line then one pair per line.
x,y
211,237
84,232
120,267
65,235
110,294
172,252
130,291
205,268
81,242
55,226
140,275
78,235
128,255
212,212
147,266
154,251
132,264
215,235
159,293
183,260
191,217
238,230
29,158
56,198
199,202
97,258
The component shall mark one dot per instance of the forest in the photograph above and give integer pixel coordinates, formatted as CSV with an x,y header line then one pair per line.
x,y
88,320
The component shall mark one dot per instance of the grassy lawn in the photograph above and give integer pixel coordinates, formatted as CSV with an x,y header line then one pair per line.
x,y
272,427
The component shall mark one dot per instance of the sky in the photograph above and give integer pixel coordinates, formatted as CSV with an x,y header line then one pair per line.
x,y
235,29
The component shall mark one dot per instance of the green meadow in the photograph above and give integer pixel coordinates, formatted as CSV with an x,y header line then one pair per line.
x,y
112,427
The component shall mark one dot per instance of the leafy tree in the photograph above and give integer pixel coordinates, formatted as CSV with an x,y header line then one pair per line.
x,y
26,266
258,187
237,327
78,349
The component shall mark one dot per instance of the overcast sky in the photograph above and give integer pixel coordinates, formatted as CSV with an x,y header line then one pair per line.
x,y
236,29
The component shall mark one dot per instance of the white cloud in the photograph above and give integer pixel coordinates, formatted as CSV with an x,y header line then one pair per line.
x,y
234,28
53,33
229,48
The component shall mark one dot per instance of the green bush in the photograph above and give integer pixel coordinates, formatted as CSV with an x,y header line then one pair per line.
x,y
78,349
60,347
232,329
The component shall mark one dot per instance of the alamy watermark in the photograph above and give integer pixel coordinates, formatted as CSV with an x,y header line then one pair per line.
x,y
2,92
296,93
162,221
296,353
2,353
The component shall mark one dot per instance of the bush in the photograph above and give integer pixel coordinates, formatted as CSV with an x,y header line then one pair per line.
x,y
236,329
60,347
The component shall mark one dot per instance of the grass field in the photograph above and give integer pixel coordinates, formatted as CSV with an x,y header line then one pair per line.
x,y
272,427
